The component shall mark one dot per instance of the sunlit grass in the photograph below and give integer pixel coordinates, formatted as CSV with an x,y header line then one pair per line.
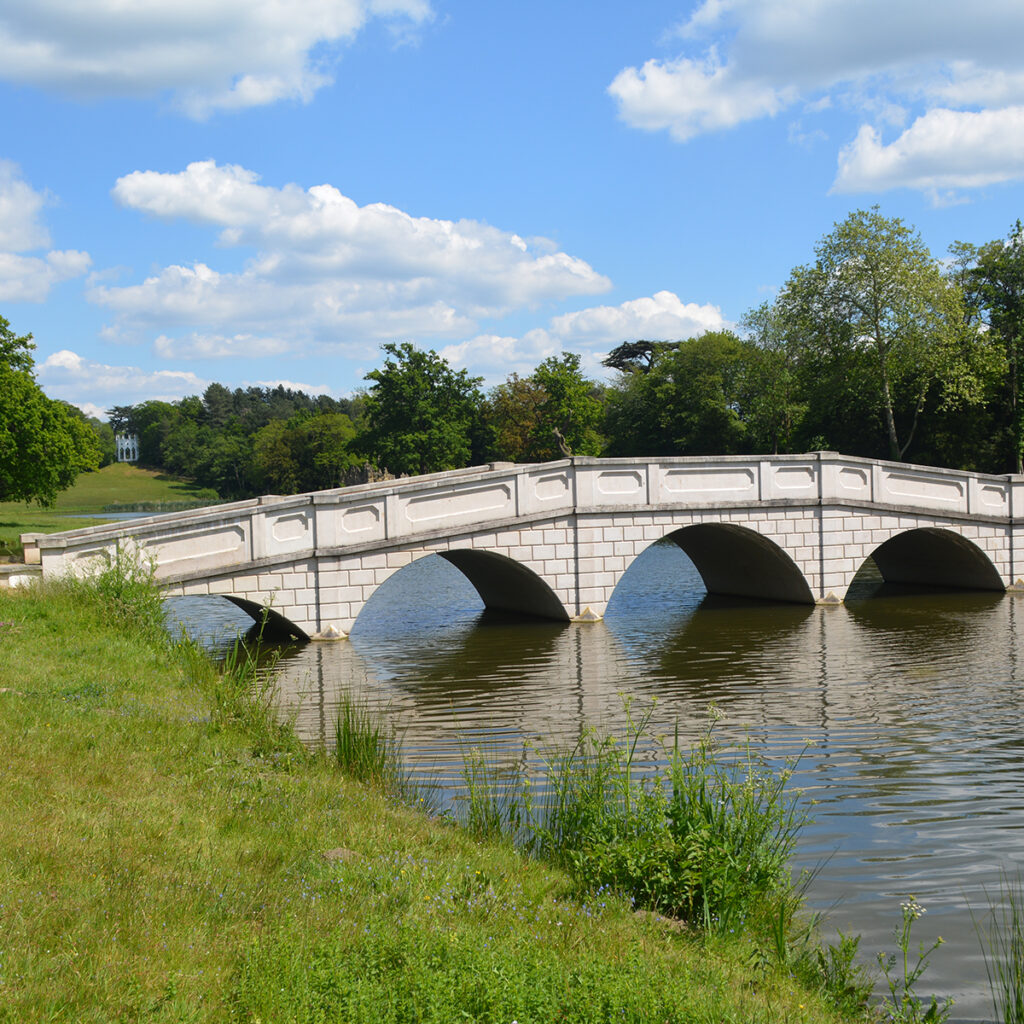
x,y
118,484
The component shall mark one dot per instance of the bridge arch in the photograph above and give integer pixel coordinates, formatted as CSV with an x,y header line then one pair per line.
x,y
736,561
274,624
505,584
936,557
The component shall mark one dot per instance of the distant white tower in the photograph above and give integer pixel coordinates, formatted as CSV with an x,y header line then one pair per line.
x,y
127,447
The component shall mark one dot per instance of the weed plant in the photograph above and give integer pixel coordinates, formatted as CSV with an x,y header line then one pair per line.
x,y
494,799
124,589
902,971
367,749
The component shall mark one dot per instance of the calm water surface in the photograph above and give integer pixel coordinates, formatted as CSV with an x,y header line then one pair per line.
x,y
912,705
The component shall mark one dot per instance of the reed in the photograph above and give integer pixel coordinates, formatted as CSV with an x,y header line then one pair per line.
x,y
1003,947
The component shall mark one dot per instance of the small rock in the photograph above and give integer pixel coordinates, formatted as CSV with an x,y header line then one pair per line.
x,y
342,854
671,923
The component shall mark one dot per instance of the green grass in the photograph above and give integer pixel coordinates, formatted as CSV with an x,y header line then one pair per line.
x,y
117,484
1003,946
163,859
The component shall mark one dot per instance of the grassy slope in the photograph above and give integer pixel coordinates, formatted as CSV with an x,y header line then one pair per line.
x,y
162,859
91,492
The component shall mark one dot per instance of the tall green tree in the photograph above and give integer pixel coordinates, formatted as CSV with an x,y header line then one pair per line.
x,y
420,413
570,405
687,403
532,418
874,287
773,407
512,411
43,445
994,278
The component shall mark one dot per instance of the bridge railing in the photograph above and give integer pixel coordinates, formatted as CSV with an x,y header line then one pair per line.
x,y
270,529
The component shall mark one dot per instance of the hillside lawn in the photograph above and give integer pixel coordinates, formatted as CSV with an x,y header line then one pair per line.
x,y
119,483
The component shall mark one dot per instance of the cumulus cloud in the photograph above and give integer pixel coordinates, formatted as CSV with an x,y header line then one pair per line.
x,y
29,278
744,60
943,149
660,317
590,332
85,382
326,271
689,97
228,55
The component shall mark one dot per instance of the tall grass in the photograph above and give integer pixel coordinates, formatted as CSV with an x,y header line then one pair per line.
x,y
495,799
706,838
125,591
1003,947
364,747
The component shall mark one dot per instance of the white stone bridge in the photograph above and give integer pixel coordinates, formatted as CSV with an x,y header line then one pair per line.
x,y
553,539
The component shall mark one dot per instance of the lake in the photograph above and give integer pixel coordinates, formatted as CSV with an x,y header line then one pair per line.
x,y
906,710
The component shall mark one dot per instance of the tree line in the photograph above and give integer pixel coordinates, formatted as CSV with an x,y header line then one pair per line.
x,y
873,348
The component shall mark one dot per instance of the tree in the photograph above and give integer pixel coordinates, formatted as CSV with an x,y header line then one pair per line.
x,y
770,391
325,450
570,405
874,287
687,403
420,413
512,411
994,278
43,446
15,351
635,355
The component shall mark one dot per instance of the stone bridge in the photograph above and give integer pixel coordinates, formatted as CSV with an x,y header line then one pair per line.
x,y
553,539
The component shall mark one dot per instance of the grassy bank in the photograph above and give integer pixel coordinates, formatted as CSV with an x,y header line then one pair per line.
x,y
120,484
169,854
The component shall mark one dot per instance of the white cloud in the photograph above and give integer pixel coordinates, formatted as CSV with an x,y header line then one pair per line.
x,y
688,97
69,376
327,272
29,278
886,62
91,409
20,206
660,317
944,149
291,385
590,332
494,356
94,387
225,55
218,346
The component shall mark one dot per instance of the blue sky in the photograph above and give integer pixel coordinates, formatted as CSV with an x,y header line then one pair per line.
x,y
255,192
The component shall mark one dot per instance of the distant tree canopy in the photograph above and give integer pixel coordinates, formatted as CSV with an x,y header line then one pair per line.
x,y
247,441
523,414
43,444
